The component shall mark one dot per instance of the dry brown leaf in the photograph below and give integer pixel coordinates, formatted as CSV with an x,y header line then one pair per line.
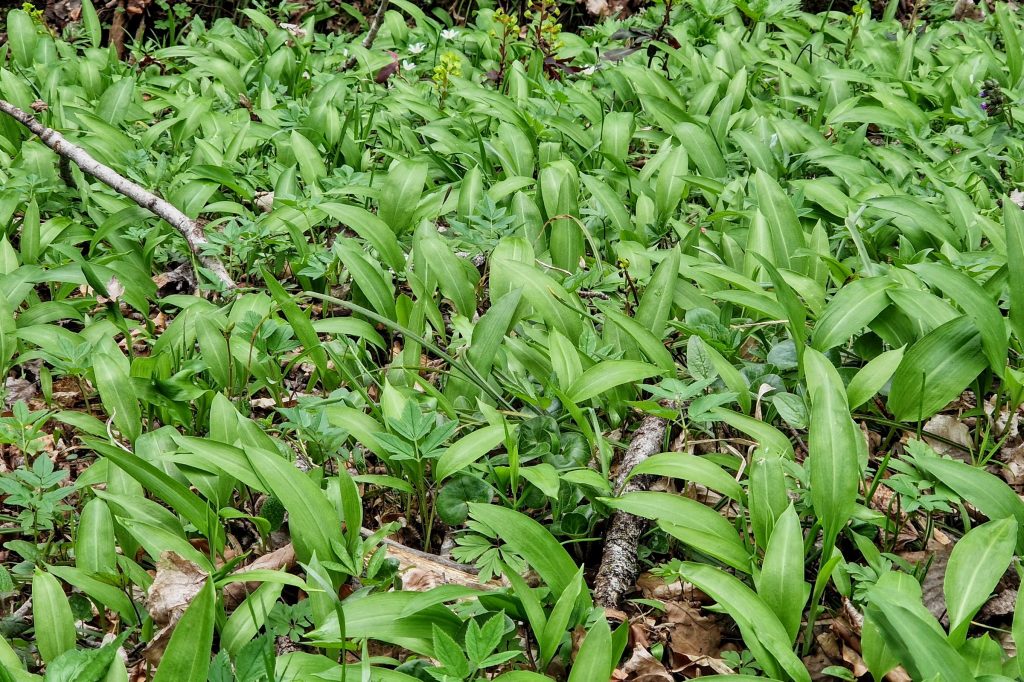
x,y
692,634
655,587
18,389
175,585
931,586
950,428
1002,604
643,667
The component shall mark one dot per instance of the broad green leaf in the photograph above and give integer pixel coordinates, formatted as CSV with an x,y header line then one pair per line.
x,y
400,194
778,210
187,657
117,395
924,652
311,164
832,458
976,303
467,450
977,563
110,596
22,37
850,310
1013,222
987,492
688,520
51,612
95,545
171,491
303,328
550,638
772,441
608,374
656,302
730,375
693,468
532,541
935,370
781,582
384,616
870,378
762,630
593,661
249,617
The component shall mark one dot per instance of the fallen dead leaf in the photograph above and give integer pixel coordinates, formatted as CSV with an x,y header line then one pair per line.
x,y
18,389
951,429
692,634
175,585
931,587
643,667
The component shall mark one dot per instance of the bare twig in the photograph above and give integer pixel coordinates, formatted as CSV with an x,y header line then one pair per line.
x,y
192,232
371,35
617,574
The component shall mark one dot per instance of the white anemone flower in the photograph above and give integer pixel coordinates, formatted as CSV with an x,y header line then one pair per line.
x,y
408,66
417,48
449,34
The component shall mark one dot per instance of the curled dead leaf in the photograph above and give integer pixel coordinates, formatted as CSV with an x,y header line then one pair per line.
x,y
175,585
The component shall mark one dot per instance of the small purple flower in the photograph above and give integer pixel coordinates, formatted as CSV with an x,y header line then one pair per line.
x,y
984,106
983,93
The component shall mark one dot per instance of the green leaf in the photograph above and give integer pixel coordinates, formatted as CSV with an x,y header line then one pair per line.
x,y
870,378
187,657
467,450
117,395
455,497
593,661
850,310
302,327
935,370
401,194
763,632
771,440
95,545
787,233
976,303
697,525
249,617
832,447
550,638
22,37
1013,222
977,563
608,374
179,497
51,612
91,23
987,492
730,375
656,303
311,164
781,583
924,652
532,541
104,593
689,467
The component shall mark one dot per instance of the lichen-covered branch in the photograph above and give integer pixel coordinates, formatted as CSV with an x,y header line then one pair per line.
x,y
188,228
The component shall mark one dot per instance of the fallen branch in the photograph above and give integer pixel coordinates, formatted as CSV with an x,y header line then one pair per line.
x,y
192,232
420,570
618,571
378,19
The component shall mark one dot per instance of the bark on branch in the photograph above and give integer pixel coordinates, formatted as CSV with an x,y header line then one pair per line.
x,y
371,35
617,574
192,232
